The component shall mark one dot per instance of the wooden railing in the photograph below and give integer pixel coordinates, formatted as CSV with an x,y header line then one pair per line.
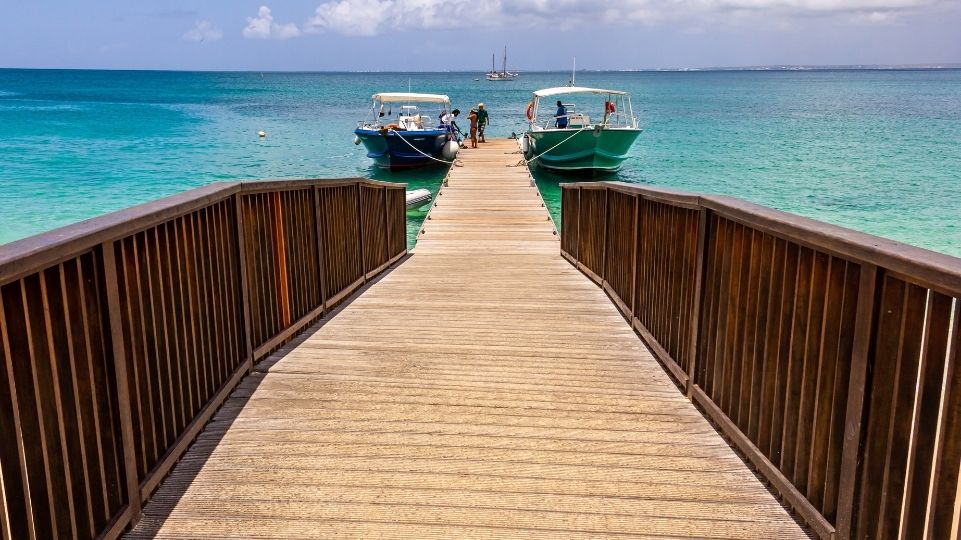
x,y
828,357
120,336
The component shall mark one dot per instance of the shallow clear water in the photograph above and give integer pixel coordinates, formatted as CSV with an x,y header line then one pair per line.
x,y
878,151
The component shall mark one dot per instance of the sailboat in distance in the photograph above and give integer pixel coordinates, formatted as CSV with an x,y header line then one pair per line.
x,y
502,75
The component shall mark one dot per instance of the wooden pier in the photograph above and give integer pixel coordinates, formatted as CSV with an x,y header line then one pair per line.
x,y
483,388
267,360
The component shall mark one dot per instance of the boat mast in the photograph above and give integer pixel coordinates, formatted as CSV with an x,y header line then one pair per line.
x,y
574,72
505,60
493,69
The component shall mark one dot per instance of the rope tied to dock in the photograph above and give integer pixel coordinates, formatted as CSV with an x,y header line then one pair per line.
x,y
456,162
525,162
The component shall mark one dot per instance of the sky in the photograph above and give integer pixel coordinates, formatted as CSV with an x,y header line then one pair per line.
x,y
441,35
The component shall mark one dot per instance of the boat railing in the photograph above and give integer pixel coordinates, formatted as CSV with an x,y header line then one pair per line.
x,y
827,356
620,120
624,121
120,336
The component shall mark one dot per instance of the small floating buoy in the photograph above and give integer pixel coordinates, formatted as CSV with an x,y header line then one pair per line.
x,y
261,134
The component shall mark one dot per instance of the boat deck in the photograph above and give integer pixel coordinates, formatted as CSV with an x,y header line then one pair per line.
x,y
482,388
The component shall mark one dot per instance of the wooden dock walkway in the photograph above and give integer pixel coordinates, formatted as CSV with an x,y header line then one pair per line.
x,y
483,388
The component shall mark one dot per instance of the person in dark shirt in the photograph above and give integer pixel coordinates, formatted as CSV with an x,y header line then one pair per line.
x,y
561,115
482,120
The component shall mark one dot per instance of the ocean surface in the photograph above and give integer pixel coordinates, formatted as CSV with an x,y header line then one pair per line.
x,y
877,151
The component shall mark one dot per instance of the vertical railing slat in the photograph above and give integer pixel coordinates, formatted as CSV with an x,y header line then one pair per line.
x,y
14,479
857,386
319,227
700,263
947,455
120,373
242,240
933,352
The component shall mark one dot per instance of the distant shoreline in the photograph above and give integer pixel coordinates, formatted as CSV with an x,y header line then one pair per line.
x,y
777,68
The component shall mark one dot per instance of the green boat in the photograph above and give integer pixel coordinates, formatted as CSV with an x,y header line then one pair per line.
x,y
566,138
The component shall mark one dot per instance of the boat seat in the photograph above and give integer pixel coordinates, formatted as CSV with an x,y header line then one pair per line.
x,y
578,120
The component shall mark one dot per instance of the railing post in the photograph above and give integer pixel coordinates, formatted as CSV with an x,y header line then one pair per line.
x,y
319,227
280,260
360,232
603,273
854,418
240,231
577,230
699,264
123,387
634,250
386,224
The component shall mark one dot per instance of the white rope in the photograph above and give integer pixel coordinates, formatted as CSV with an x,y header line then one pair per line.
x,y
528,161
456,162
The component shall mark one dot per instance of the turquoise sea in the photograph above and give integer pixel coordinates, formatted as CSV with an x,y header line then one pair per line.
x,y
878,151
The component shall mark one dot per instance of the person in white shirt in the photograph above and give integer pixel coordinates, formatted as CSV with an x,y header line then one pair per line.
x,y
447,119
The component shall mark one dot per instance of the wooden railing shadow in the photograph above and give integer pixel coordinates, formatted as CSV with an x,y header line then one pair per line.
x,y
122,335
828,357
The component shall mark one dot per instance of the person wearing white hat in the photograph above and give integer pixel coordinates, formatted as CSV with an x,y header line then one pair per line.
x,y
482,120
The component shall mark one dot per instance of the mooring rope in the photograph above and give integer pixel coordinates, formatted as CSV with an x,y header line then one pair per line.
x,y
456,162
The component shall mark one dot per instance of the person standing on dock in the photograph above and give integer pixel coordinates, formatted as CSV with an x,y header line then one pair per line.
x,y
473,116
482,120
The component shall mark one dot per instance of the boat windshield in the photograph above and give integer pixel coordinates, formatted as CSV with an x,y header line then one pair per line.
x,y
582,110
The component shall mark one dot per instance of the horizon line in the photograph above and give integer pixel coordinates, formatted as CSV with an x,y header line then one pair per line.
x,y
770,67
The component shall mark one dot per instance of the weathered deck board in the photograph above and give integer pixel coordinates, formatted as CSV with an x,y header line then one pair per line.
x,y
484,388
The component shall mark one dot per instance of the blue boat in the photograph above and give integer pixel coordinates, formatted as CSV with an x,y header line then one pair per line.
x,y
408,138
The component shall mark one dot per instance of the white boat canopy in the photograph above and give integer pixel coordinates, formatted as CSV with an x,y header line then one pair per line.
x,y
575,90
403,97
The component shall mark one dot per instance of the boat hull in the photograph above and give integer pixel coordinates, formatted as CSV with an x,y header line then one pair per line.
x,y
389,151
599,150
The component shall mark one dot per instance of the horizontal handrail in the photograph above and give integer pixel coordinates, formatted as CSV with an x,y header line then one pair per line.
x,y
826,355
120,336
20,256
935,269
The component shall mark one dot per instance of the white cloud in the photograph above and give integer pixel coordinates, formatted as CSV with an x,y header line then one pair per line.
x,y
375,17
371,17
203,31
263,26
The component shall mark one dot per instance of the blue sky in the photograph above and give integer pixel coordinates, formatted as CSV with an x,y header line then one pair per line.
x,y
461,34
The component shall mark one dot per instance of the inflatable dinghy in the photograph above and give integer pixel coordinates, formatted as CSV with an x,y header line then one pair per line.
x,y
417,198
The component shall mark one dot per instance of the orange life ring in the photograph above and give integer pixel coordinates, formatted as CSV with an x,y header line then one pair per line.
x,y
530,110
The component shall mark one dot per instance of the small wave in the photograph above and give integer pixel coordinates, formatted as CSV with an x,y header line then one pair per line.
x,y
7,93
53,107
